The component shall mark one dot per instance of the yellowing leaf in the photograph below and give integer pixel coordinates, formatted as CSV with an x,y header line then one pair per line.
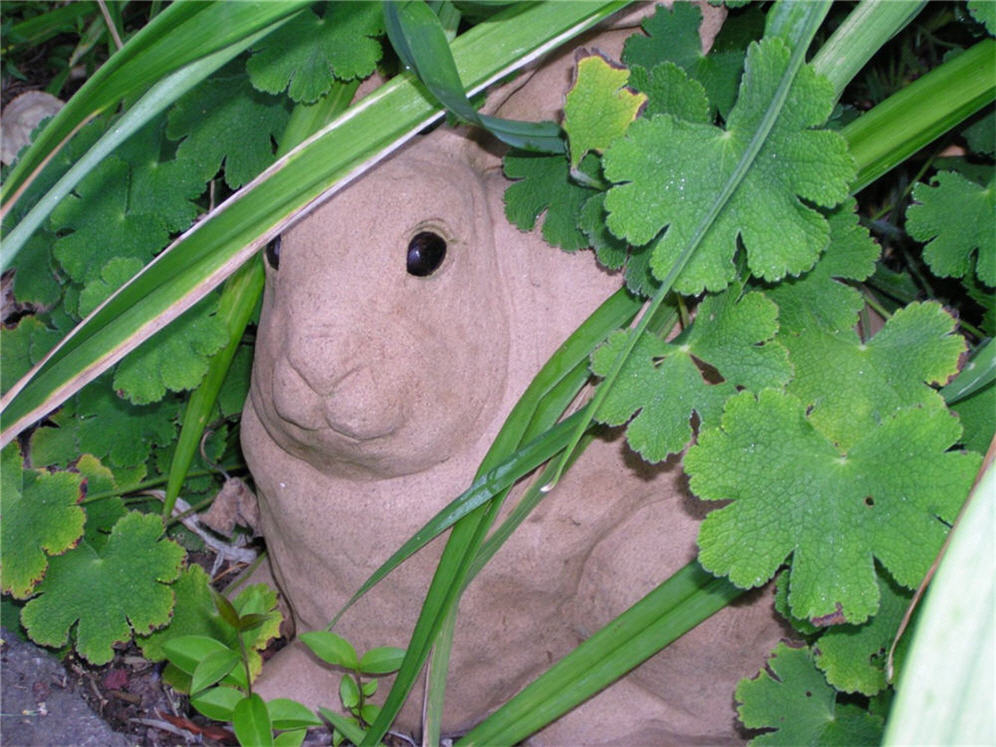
x,y
41,517
599,108
109,593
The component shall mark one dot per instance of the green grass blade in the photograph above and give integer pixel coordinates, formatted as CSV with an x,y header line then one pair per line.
x,y
419,39
863,33
483,489
977,373
182,33
238,299
203,257
672,609
160,96
945,691
52,22
925,109
468,535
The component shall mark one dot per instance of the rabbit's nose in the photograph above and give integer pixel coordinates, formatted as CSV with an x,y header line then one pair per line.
x,y
355,403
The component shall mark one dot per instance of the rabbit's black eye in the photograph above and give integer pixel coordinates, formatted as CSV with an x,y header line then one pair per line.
x,y
426,252
273,253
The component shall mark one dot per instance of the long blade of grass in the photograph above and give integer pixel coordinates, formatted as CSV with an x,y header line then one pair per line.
x,y
977,373
922,111
672,609
204,256
182,33
417,35
161,95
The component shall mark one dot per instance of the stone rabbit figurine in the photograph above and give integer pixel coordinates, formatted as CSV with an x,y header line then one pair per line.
x,y
401,322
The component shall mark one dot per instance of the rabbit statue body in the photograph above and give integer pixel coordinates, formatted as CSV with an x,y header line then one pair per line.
x,y
375,394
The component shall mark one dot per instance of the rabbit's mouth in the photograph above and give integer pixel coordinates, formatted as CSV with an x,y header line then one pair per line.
x,y
356,410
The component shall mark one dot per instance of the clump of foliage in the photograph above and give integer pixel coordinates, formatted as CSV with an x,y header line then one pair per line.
x,y
814,380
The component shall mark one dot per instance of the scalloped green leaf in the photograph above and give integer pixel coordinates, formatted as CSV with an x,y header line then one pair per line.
x,y
175,359
673,36
793,493
853,386
955,217
97,211
689,163
820,297
669,90
853,656
225,121
109,594
791,698
304,55
41,518
107,426
543,184
663,381
101,514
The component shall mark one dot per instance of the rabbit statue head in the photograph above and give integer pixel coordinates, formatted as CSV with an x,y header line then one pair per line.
x,y
383,343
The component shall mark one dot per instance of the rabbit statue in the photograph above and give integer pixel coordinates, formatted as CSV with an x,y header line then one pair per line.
x,y
401,322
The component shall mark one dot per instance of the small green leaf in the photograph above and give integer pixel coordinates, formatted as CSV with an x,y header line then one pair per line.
x,y
331,648
853,386
369,688
819,298
955,216
662,383
598,107
349,693
107,426
225,609
187,651
306,52
251,722
294,738
176,359
289,714
41,517
345,725
212,668
227,121
103,514
800,706
543,184
100,207
218,703
669,90
124,587
382,660
853,656
673,37
369,712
